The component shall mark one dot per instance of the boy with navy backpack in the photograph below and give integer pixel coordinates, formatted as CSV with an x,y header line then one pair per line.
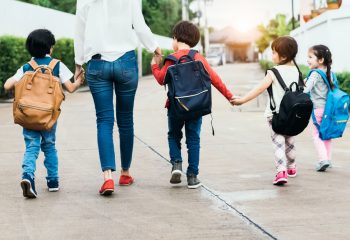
x,y
40,46
331,105
188,77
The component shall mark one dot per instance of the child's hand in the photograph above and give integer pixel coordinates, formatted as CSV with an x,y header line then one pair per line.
x,y
236,101
157,59
80,77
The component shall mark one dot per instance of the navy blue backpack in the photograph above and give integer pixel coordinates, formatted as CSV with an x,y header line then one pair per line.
x,y
189,87
336,112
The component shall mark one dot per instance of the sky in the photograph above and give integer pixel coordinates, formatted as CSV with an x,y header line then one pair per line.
x,y
246,14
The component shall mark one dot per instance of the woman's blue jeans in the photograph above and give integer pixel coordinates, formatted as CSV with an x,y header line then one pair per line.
x,y
120,77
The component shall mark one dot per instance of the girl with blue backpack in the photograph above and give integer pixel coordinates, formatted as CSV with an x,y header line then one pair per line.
x,y
331,105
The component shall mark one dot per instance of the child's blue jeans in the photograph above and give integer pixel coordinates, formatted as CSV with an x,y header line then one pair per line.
x,y
46,141
192,131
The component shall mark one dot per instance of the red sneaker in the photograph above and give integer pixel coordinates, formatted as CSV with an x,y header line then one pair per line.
x,y
125,180
281,178
292,172
107,187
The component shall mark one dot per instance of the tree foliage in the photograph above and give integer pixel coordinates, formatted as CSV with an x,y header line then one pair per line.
x,y
61,5
275,28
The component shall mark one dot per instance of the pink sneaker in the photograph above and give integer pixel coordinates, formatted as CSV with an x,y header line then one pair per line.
x,y
292,172
281,178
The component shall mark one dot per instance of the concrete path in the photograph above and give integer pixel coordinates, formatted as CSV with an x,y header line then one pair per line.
x,y
238,200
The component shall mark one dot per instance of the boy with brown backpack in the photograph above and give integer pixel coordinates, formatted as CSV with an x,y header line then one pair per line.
x,y
36,107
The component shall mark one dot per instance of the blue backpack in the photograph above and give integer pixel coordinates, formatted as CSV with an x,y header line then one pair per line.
x,y
189,87
336,113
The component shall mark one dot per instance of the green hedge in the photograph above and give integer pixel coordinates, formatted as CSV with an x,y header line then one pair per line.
x,y
343,77
13,55
147,58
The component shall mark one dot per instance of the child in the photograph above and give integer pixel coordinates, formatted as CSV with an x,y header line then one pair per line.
x,y
320,57
40,45
284,51
185,36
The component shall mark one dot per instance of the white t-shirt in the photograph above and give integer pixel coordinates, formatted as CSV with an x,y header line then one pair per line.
x,y
64,73
289,75
110,28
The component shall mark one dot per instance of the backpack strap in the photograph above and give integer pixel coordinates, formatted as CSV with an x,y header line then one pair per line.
x,y
279,79
33,64
192,53
53,64
171,58
269,89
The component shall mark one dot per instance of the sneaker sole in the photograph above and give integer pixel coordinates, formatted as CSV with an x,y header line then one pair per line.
x,y
280,182
27,189
53,189
175,177
322,168
194,186
292,176
107,192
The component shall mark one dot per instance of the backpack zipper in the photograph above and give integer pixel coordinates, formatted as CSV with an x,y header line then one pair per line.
x,y
21,106
183,105
193,95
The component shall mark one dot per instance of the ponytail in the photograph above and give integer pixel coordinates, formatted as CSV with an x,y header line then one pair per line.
x,y
322,51
301,82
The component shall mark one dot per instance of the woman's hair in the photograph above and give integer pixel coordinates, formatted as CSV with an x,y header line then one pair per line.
x,y
187,32
39,43
287,47
323,52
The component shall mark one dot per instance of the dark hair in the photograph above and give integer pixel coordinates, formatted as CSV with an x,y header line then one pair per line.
x,y
287,47
39,42
323,52
187,32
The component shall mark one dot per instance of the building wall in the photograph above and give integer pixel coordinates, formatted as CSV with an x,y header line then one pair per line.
x,y
330,29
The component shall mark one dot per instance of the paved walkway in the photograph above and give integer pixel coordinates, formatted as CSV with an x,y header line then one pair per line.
x,y
238,200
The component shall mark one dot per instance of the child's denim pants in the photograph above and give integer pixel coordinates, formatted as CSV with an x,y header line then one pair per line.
x,y
192,131
44,140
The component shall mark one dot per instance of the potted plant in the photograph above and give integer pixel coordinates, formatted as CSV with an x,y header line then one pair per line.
x,y
307,17
315,13
333,4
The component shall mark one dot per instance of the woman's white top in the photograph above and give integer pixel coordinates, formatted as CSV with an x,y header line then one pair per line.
x,y
110,28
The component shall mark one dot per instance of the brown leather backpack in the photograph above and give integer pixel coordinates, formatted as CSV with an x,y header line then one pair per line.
x,y
38,97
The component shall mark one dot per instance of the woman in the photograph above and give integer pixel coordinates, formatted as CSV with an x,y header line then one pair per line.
x,y
107,33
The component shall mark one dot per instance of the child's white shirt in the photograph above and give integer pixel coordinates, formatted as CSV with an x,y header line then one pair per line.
x,y
64,73
289,74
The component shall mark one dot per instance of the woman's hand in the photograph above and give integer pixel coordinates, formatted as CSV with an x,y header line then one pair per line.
x,y
158,52
157,59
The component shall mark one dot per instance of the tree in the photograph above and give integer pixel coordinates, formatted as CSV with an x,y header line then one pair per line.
x,y
161,15
277,27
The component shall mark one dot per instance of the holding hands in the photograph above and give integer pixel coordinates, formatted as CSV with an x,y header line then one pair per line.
x,y
79,75
237,101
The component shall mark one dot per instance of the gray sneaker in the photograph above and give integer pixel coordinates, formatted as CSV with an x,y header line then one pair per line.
x,y
193,182
322,165
176,173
